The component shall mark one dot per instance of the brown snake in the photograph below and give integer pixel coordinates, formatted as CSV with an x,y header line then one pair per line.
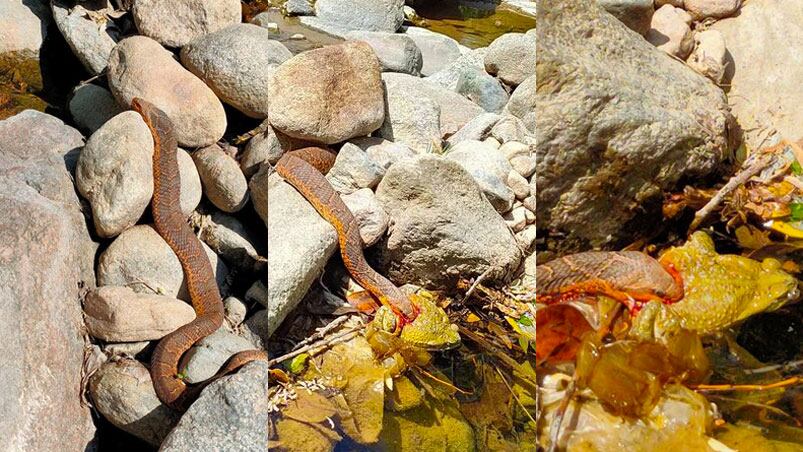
x,y
172,225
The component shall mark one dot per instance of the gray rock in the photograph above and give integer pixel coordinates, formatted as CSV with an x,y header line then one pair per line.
x,y
476,129
228,237
331,29
469,62
47,257
91,106
235,311
482,89
511,57
122,391
353,170
369,15
223,181
174,23
511,128
636,14
208,355
605,153
236,63
490,169
328,95
255,328
231,415
267,146
23,26
370,215
396,52
383,152
670,31
456,110
411,120
258,292
298,8
140,67
522,103
118,314
443,227
438,51
140,259
90,42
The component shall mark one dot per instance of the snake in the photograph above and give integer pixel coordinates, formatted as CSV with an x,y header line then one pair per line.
x,y
172,226
304,169
631,277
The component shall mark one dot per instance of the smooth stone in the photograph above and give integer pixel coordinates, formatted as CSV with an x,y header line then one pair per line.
x,y
490,169
530,202
412,121
708,56
670,31
522,103
140,67
90,42
268,146
353,169
636,14
476,129
368,15
381,151
328,95
443,227
469,62
118,314
208,355
511,128
236,63
222,179
396,52
175,23
125,349
230,239
190,181
484,90
519,185
140,259
511,57
298,8
122,392
258,186
371,217
91,106
235,310
521,157
701,9
437,50
23,26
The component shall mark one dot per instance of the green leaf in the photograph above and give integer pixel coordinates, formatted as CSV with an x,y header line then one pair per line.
x,y
297,364
797,211
797,170
526,321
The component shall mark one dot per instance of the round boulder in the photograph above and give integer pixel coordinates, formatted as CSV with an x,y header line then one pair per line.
x,y
177,22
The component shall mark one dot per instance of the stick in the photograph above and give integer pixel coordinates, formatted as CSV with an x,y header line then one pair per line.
x,y
557,422
337,339
475,284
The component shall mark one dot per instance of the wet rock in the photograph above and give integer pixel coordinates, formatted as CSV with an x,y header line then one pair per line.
x,y
329,94
140,67
140,259
511,128
91,106
236,63
369,15
229,238
614,128
468,62
396,52
483,89
522,103
370,215
438,51
489,167
636,14
23,26
456,110
476,129
47,256
118,314
223,181
208,355
519,185
383,152
353,170
511,57
443,227
174,23
267,147
412,121
298,8
670,31
708,56
700,9
90,42
235,311
122,391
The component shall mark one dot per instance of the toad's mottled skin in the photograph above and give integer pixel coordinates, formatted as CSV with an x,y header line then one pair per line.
x,y
720,290
431,330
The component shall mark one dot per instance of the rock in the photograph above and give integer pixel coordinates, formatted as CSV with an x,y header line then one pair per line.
x,y
236,63
443,228
670,32
381,151
675,3
412,121
140,67
258,186
520,156
489,167
438,51
301,242
140,259
368,15
760,26
47,257
370,215
230,415
476,129
522,103
483,90
708,56
469,62
491,141
519,185
298,8
175,23
229,238
636,14
510,128
208,355
122,391
328,94
511,57
329,29
223,181
118,314
90,42
526,238
516,219
126,349
190,180
396,52
91,106
456,110
23,26
530,201
258,292
353,170
235,311
255,328
605,154
267,146
701,9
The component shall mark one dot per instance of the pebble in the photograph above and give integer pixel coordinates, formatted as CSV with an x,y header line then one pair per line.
x,y
522,103
174,23
396,52
236,62
297,37
208,355
118,314
483,89
636,14
353,170
235,310
368,15
412,121
230,239
708,56
140,67
701,9
670,31
223,181
91,106
90,42
511,57
529,202
516,218
298,8
328,95
520,156
438,51
490,169
476,129
519,185
381,151
529,216
371,217
526,237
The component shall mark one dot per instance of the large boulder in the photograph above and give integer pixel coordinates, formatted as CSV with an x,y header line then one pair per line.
x,y
174,23
46,259
618,123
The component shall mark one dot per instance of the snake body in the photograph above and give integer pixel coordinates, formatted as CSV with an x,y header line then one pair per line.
x,y
172,226
304,169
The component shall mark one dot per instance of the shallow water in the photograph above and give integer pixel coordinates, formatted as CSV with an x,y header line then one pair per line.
x,y
473,24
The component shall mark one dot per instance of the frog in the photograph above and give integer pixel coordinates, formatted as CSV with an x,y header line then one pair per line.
x,y
431,329
720,290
